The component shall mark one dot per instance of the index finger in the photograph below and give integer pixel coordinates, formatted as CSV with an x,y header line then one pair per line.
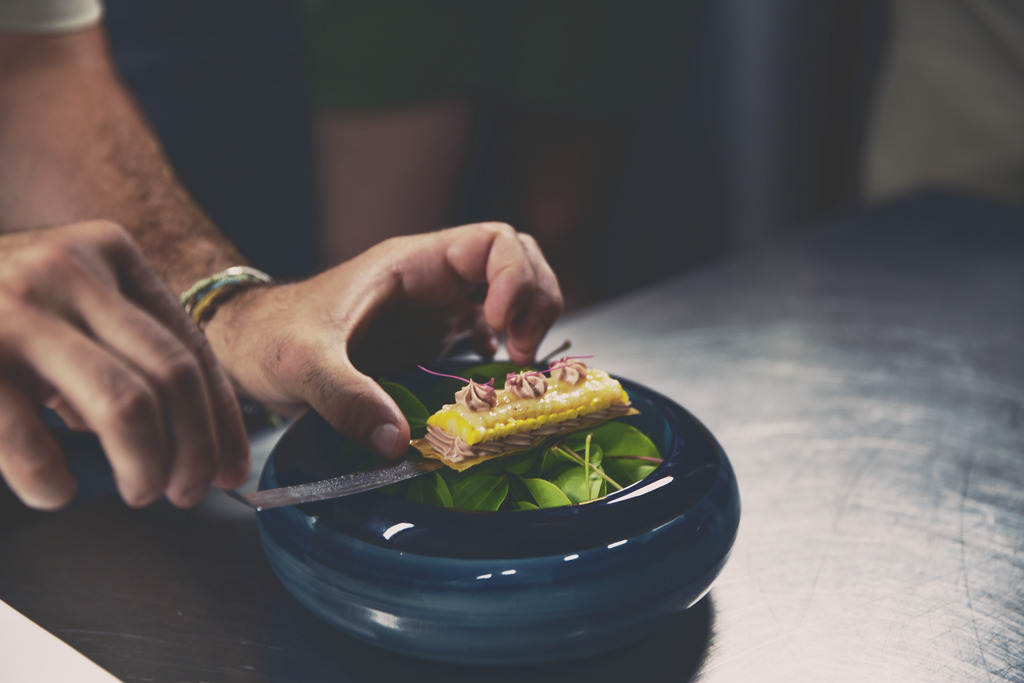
x,y
530,322
142,284
31,461
523,297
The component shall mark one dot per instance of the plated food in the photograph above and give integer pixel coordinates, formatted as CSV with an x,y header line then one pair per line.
x,y
518,585
484,423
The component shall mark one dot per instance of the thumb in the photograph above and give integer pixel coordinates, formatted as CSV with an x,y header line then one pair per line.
x,y
360,409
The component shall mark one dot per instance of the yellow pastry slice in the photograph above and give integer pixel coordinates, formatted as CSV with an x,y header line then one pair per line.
x,y
485,423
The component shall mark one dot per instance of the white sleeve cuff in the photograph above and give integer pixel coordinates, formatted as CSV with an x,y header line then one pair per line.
x,y
48,16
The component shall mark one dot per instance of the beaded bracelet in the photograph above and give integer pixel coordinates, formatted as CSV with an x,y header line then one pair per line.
x,y
201,299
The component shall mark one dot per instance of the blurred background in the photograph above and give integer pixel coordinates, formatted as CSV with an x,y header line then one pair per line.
x,y
635,140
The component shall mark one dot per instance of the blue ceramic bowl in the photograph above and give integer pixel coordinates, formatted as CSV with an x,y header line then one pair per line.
x,y
515,587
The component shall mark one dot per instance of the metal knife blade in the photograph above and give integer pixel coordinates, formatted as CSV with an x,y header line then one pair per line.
x,y
336,487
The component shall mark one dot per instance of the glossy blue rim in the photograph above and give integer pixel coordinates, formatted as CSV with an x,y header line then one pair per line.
x,y
693,471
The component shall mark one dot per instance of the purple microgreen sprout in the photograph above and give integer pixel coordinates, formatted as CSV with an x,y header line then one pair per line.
x,y
441,374
565,346
564,361
488,383
644,458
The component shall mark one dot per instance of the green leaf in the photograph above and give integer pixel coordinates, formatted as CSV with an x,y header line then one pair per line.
x,y
525,505
489,468
412,408
354,457
572,483
627,471
619,438
553,459
546,494
544,474
430,490
485,493
520,463
517,490
393,489
578,443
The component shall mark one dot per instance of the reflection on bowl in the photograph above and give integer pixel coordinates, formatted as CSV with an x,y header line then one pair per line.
x,y
509,587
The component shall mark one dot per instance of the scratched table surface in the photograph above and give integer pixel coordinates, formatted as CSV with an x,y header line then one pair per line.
x,y
866,380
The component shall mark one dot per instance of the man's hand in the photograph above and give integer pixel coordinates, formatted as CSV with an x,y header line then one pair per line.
x,y
87,328
401,302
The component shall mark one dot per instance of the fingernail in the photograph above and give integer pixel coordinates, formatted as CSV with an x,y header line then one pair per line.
x,y
193,494
528,355
383,439
143,498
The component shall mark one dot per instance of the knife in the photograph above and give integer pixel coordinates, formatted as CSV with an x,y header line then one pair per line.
x,y
336,487
91,464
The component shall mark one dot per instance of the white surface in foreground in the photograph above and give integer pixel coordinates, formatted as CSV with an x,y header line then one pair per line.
x,y
32,655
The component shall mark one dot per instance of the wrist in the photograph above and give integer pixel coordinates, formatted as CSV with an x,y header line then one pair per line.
x,y
203,299
219,305
242,335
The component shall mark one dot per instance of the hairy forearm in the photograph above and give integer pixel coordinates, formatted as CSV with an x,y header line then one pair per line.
x,y
73,146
